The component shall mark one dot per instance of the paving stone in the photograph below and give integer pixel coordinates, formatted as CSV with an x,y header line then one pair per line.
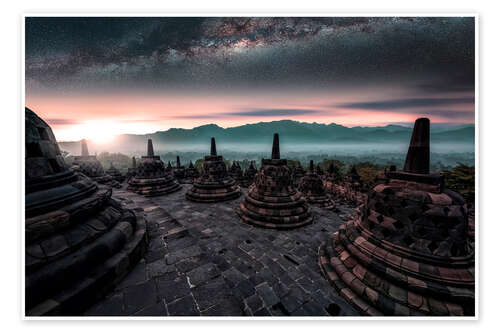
x,y
211,292
137,275
227,307
158,309
225,260
245,288
172,289
267,294
202,274
158,268
139,296
184,306
254,303
110,306
178,255
233,276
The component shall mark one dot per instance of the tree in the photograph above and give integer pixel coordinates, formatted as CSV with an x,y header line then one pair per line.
x,y
461,179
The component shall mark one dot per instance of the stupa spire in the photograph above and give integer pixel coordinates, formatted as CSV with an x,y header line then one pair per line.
x,y
151,152
85,149
213,148
417,159
311,166
178,162
276,147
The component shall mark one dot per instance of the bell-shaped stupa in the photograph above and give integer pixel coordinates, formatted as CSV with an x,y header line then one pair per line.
x,y
407,253
214,183
272,201
90,166
191,174
236,172
151,178
297,174
249,175
80,242
115,173
312,188
331,179
179,170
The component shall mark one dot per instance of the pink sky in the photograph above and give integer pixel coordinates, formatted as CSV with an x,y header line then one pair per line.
x,y
101,117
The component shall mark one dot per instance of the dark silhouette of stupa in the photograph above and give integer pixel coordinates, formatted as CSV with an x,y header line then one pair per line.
x,y
80,242
297,174
249,175
272,201
312,188
90,166
407,253
214,183
191,174
115,173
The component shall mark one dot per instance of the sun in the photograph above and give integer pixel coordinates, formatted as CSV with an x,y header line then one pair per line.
x,y
98,131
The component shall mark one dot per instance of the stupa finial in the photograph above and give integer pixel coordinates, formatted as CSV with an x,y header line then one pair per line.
x,y
417,159
178,162
213,148
276,147
85,149
151,152
311,166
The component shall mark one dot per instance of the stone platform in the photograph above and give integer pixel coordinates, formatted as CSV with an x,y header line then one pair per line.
x,y
202,260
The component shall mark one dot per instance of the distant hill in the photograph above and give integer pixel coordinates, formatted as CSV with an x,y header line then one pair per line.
x,y
291,132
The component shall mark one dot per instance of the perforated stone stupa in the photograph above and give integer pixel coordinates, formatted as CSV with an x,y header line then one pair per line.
x,y
151,178
90,166
115,173
312,188
214,183
331,178
272,201
297,174
236,172
191,174
407,253
179,170
249,175
80,242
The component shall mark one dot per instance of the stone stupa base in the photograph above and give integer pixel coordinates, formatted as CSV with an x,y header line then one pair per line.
x,y
209,193
285,212
323,202
386,280
151,187
105,242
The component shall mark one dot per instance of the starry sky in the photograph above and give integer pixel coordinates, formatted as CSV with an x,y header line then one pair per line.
x,y
113,75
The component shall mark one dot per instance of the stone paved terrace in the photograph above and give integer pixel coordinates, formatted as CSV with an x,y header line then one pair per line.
x,y
203,260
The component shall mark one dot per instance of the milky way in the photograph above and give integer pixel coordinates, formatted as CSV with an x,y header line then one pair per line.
x,y
360,62
225,53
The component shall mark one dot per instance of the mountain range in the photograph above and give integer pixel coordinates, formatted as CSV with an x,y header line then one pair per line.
x,y
291,132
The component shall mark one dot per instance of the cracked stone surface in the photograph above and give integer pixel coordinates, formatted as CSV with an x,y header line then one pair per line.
x,y
203,260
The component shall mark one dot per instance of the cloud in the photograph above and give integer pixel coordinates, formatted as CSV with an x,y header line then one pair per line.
x,y
62,121
406,103
256,113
